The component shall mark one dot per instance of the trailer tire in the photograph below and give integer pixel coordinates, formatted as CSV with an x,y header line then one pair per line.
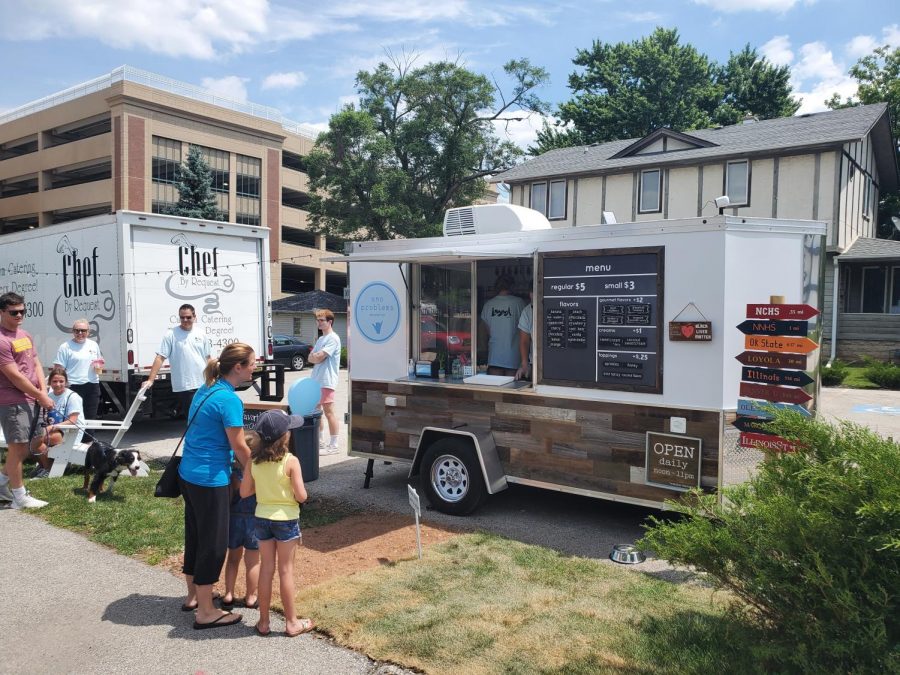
x,y
450,476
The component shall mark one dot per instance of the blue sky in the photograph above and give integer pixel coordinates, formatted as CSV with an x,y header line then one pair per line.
x,y
302,57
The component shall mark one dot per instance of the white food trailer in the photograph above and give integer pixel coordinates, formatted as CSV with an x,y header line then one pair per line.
x,y
634,380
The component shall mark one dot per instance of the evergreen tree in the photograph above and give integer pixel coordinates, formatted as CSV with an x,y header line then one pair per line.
x,y
193,180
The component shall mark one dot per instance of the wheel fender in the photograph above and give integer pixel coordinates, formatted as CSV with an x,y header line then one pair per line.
x,y
483,445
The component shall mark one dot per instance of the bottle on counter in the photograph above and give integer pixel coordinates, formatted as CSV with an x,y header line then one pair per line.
x,y
456,368
411,368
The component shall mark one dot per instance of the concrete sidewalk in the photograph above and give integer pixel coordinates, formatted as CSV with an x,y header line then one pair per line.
x,y
76,607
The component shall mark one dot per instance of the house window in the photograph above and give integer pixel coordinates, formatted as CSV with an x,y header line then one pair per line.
x,y
651,191
873,290
539,197
737,183
867,198
556,210
550,203
165,164
895,291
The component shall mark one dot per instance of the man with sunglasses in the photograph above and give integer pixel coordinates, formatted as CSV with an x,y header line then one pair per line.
x,y
188,352
82,360
21,384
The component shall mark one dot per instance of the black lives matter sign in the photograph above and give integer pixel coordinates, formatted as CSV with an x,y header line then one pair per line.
x,y
600,320
673,461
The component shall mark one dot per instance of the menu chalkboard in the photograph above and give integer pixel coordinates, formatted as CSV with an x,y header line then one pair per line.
x,y
600,320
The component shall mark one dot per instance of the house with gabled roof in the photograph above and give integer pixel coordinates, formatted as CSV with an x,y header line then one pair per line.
x,y
829,166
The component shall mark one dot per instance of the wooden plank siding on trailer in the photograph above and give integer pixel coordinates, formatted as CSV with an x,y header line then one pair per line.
x,y
574,443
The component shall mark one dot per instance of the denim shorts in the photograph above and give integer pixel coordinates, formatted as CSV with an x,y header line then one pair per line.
x,y
281,530
242,531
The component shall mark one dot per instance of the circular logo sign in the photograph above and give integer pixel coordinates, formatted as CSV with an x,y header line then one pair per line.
x,y
377,312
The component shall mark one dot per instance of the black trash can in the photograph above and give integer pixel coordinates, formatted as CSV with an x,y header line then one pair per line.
x,y
305,445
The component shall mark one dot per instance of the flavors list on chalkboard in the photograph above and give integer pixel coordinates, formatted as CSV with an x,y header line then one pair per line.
x,y
601,324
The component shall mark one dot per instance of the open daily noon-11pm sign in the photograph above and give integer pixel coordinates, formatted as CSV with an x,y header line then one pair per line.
x,y
377,312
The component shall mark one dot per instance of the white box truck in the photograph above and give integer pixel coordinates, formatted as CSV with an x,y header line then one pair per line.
x,y
127,273
636,348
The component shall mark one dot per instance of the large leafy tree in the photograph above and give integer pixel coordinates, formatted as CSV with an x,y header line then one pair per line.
x,y
196,199
627,90
878,75
422,139
750,85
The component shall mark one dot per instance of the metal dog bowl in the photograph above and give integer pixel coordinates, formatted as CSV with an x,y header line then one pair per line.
x,y
626,554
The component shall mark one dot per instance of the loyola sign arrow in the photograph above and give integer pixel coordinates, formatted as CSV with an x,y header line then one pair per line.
x,y
773,360
773,343
770,393
774,376
756,327
787,312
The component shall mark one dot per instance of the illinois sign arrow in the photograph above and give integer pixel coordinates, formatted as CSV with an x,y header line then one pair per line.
x,y
776,443
770,393
788,312
775,376
759,327
773,360
775,343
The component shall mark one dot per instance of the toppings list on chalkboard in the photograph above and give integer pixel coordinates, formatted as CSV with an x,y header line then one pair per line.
x,y
601,319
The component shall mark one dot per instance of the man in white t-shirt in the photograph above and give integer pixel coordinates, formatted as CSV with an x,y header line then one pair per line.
x,y
326,355
83,362
500,316
189,353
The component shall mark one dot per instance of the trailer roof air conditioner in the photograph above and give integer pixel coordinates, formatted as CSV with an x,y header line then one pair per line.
x,y
492,218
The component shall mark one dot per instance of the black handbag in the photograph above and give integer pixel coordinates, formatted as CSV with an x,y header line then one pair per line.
x,y
168,486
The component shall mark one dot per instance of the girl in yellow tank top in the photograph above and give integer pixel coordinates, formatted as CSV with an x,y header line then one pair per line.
x,y
276,479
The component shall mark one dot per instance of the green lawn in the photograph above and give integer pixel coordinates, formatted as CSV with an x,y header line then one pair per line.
x,y
484,604
134,522
856,379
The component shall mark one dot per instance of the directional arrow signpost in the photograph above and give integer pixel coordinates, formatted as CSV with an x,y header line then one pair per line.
x,y
787,312
757,327
793,378
769,393
776,345
773,360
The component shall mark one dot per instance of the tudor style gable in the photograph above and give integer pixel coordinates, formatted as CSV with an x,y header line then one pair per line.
x,y
663,140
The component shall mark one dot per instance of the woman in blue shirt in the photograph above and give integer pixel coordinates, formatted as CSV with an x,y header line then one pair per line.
x,y
215,436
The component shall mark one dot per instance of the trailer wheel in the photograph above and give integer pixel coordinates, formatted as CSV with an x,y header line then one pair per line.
x,y
297,362
451,477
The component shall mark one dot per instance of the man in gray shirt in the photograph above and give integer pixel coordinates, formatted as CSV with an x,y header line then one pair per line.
x,y
500,316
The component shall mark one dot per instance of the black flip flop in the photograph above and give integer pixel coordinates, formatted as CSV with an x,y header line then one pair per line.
x,y
228,606
219,623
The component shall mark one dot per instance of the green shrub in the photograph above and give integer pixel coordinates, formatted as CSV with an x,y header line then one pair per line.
x,y
810,548
886,375
343,357
834,376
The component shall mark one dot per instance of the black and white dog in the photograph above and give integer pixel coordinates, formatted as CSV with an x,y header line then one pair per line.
x,y
104,461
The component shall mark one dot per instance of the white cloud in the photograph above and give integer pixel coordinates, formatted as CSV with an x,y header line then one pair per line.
x,y
778,51
290,80
817,61
891,35
521,132
231,87
640,17
733,6
813,99
860,46
194,28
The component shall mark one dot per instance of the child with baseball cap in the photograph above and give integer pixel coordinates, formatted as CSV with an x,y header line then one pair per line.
x,y
276,478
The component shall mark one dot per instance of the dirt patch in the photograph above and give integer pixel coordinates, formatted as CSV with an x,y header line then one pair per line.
x,y
357,542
